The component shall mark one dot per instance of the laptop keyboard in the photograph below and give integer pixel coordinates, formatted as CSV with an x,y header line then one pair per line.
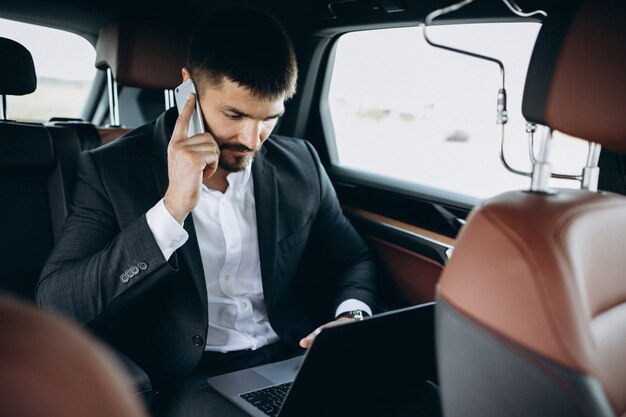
x,y
268,399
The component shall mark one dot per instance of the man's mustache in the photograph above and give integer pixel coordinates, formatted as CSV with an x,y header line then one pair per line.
x,y
236,147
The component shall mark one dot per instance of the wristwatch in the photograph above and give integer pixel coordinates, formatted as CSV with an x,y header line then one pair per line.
x,y
354,314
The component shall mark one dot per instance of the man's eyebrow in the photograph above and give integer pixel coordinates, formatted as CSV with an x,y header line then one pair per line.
x,y
244,114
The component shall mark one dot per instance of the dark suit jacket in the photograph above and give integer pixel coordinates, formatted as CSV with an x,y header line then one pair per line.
x,y
108,273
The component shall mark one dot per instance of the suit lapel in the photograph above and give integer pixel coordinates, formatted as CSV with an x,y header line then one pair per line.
x,y
189,252
266,199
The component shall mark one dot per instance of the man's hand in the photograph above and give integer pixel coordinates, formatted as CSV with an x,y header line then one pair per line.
x,y
189,160
307,341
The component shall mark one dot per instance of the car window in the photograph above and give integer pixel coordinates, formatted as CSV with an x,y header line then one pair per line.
x,y
64,63
398,107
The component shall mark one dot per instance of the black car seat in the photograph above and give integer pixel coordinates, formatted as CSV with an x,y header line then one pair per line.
x,y
531,312
37,168
37,176
87,133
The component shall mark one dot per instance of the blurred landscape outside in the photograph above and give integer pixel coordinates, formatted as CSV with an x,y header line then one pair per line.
x,y
64,63
404,109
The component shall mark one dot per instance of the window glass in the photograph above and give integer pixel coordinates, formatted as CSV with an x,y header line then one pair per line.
x,y
401,108
64,64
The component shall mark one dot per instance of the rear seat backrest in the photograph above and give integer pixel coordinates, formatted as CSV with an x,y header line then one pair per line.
x,y
37,176
36,187
87,133
37,168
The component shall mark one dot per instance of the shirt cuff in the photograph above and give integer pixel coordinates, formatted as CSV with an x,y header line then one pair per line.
x,y
168,233
352,304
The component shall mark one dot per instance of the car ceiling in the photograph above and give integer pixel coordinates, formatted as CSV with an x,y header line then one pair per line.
x,y
85,17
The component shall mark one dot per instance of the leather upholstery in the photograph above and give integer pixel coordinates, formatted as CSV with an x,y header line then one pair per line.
x,y
26,160
25,147
414,276
17,70
546,272
539,278
50,368
87,133
143,54
36,178
109,134
591,59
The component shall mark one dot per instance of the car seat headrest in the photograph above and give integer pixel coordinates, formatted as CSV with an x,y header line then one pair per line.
x,y
575,82
17,70
144,54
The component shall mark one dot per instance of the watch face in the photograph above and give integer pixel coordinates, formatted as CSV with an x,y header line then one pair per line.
x,y
357,314
354,314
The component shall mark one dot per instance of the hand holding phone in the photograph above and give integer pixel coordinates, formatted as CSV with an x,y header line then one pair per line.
x,y
192,156
196,123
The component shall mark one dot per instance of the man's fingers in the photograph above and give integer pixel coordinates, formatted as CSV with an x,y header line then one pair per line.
x,y
202,138
182,123
307,341
202,147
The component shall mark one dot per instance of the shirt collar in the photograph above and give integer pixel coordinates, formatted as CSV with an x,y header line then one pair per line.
x,y
239,180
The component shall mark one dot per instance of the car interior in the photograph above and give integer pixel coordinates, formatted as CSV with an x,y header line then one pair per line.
x,y
523,260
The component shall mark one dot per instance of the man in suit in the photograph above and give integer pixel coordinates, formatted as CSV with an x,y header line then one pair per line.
x,y
201,255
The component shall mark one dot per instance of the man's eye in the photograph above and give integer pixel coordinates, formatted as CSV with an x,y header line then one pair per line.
x,y
270,120
233,116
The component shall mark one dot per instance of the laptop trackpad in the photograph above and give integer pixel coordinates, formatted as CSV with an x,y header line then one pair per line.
x,y
238,382
280,372
252,379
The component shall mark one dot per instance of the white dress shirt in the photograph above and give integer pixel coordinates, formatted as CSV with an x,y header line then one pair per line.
x,y
225,225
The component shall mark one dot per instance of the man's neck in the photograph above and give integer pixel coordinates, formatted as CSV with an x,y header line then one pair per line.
x,y
218,180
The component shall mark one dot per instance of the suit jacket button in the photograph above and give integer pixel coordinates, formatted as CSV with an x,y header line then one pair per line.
x,y
134,270
198,340
124,278
142,265
129,274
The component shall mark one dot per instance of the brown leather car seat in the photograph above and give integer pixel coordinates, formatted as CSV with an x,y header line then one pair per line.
x,y
531,312
141,53
51,368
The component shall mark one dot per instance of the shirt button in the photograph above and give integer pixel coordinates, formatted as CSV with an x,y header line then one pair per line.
x,y
226,277
243,304
198,340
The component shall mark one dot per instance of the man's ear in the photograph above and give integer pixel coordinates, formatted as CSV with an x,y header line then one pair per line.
x,y
186,74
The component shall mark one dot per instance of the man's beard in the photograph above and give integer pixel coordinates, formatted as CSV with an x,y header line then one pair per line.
x,y
236,163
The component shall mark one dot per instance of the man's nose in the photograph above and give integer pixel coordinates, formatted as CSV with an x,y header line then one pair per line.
x,y
251,134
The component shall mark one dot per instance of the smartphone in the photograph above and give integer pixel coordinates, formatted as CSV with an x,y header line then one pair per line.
x,y
196,123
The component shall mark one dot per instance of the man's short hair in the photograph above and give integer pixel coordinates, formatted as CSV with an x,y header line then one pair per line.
x,y
247,46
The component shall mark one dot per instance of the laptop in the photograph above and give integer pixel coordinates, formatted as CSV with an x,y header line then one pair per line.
x,y
371,367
